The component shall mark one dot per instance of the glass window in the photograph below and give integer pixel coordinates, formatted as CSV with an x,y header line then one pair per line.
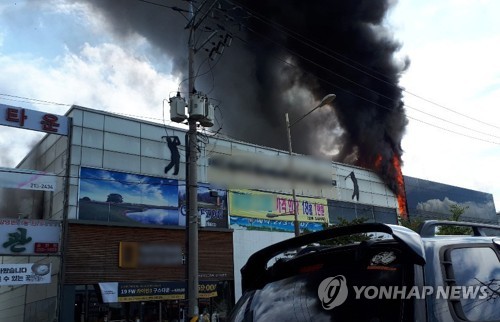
x,y
476,267
350,211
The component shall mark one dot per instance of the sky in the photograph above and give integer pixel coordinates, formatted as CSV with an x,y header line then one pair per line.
x,y
56,53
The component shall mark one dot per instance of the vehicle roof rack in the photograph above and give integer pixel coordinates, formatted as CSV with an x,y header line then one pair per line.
x,y
256,266
428,227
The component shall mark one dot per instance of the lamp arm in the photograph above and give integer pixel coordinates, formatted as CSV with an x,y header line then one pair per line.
x,y
303,116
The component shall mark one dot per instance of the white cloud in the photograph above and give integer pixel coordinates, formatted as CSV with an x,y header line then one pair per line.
x,y
454,48
103,77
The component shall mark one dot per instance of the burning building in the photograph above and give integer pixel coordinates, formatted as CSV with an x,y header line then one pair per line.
x,y
285,56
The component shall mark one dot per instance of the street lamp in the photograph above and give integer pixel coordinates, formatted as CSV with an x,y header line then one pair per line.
x,y
326,100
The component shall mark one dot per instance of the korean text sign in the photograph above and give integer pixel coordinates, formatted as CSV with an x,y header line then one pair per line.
x,y
21,274
262,205
29,237
33,120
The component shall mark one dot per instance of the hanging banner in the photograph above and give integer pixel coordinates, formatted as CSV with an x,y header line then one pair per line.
x,y
22,274
29,236
135,292
268,211
27,179
33,120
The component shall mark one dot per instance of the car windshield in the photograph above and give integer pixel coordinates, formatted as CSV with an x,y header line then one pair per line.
x,y
339,285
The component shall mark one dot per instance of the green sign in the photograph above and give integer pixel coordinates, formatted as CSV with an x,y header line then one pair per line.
x,y
17,240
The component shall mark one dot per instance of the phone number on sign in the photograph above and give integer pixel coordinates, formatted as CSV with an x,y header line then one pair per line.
x,y
41,186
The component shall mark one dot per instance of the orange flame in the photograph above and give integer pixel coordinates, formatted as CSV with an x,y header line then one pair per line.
x,y
378,162
401,194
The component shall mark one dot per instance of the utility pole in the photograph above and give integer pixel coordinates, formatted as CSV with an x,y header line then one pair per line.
x,y
202,111
192,185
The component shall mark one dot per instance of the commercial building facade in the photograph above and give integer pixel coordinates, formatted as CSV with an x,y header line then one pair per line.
x,y
120,198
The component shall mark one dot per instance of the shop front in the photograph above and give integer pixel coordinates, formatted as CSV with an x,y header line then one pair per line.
x,y
148,301
136,274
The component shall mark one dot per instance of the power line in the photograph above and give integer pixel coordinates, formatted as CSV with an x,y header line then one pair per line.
x,y
314,45
363,86
305,41
369,89
93,178
375,103
35,100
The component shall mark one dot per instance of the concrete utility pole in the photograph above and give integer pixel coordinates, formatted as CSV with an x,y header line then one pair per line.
x,y
202,111
192,185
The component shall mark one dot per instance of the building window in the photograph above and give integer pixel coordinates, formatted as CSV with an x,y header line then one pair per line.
x,y
349,211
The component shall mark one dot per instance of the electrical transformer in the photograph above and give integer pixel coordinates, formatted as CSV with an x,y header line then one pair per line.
x,y
177,108
197,106
208,120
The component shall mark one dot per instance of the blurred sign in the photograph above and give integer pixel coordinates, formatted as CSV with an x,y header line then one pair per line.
x,y
21,236
27,179
260,171
134,254
46,248
21,274
33,120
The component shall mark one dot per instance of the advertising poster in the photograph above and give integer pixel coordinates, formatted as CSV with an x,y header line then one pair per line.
x,y
153,291
212,206
275,212
22,274
121,197
432,200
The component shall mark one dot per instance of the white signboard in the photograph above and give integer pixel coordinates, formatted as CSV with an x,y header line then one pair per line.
x,y
33,120
27,179
29,237
21,274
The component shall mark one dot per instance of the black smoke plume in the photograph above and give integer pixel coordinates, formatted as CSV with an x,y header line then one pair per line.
x,y
285,56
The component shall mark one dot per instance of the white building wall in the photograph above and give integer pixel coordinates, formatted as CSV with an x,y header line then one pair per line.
x,y
102,140
49,155
247,242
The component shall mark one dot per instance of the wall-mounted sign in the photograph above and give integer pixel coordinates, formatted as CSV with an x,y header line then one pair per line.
x,y
136,292
27,179
212,206
269,211
21,274
33,120
118,196
245,170
21,236
125,197
134,255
